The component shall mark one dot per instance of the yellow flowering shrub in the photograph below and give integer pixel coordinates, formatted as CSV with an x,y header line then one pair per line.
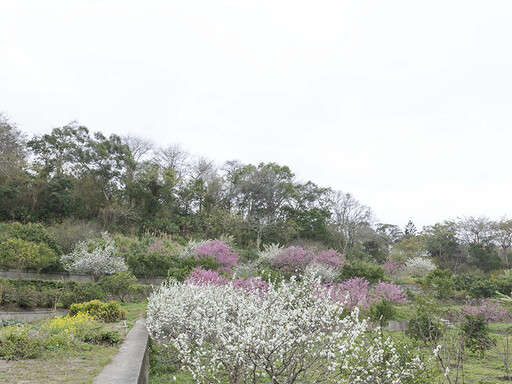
x,y
108,312
71,325
61,332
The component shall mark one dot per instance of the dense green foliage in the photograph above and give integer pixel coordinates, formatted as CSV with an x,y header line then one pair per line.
x,y
357,268
26,293
108,312
25,255
441,282
476,334
476,286
424,324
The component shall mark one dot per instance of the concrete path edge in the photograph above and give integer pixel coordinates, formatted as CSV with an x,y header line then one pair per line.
x,y
131,363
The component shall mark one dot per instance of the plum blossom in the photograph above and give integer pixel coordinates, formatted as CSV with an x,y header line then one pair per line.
x,y
221,334
218,251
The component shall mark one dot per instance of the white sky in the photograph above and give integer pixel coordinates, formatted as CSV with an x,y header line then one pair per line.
x,y
405,104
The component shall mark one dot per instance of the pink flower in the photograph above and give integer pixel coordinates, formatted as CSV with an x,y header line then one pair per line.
x,y
293,259
354,290
158,247
251,284
202,277
219,251
392,267
387,291
491,311
332,258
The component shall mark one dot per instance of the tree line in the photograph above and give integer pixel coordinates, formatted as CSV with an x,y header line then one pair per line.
x,y
130,185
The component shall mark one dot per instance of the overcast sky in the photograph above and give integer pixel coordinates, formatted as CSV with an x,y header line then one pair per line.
x,y
405,104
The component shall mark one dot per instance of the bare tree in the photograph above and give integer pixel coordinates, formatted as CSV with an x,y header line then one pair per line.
x,y
229,172
140,150
12,148
349,219
140,147
175,157
476,230
503,237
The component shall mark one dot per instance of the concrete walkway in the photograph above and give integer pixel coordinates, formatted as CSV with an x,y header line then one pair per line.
x,y
131,364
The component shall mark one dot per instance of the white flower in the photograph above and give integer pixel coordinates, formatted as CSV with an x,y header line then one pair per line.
x,y
269,252
420,266
101,260
292,331
190,248
322,271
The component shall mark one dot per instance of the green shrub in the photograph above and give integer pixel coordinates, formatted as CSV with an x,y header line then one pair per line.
x,y
98,334
441,282
464,281
38,284
112,311
477,286
27,297
43,293
381,312
108,312
20,342
26,255
504,284
118,285
148,264
34,233
475,331
154,258
424,325
484,288
356,268
82,292
182,268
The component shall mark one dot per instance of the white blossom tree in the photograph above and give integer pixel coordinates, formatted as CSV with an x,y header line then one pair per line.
x,y
97,258
294,333
419,266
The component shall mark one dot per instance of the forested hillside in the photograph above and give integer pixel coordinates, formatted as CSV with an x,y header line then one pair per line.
x,y
132,186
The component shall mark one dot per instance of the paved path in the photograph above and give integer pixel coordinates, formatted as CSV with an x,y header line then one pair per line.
x,y
131,364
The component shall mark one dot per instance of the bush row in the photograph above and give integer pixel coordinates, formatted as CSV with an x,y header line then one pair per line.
x,y
29,294
443,284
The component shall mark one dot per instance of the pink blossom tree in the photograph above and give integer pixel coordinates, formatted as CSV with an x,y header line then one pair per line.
x,y
296,259
387,291
491,311
200,276
354,291
220,252
293,259
251,284
331,258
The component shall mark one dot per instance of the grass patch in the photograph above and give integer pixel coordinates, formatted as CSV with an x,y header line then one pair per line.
x,y
135,310
64,366
477,370
58,350
164,369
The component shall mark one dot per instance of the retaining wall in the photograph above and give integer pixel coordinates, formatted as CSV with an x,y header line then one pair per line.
x,y
30,315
